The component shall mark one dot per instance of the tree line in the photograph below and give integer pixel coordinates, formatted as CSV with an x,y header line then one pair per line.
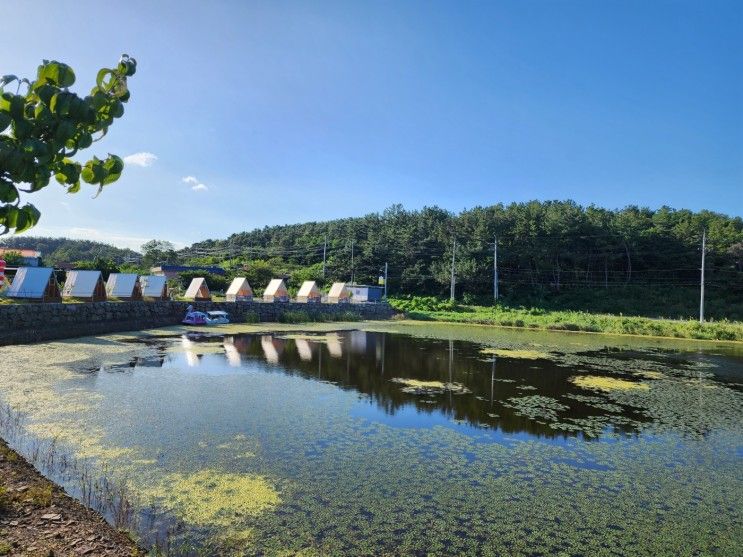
x,y
547,246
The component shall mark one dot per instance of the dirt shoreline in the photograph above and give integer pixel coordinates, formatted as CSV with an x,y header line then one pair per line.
x,y
37,518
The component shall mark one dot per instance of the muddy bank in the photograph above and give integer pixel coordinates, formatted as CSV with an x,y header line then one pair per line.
x,y
38,518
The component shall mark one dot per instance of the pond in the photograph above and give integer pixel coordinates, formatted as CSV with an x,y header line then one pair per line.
x,y
391,438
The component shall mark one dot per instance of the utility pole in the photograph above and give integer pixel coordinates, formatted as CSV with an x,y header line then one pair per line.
x,y
353,270
324,252
453,278
385,279
495,268
701,289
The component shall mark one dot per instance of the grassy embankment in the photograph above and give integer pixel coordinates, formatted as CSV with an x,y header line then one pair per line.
x,y
433,309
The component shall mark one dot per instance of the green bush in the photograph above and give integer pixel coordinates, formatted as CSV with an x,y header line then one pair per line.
x,y
252,317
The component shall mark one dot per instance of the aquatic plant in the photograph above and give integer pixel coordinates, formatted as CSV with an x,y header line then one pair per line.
x,y
601,383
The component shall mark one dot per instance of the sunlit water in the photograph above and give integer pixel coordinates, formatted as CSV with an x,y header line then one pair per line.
x,y
447,440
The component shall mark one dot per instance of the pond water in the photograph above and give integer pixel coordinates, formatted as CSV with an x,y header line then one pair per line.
x,y
392,438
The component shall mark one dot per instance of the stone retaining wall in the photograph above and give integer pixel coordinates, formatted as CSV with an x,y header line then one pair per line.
x,y
25,323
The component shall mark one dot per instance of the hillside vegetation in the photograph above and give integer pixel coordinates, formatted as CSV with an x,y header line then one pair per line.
x,y
554,254
59,250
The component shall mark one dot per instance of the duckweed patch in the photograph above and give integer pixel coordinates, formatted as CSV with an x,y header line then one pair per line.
x,y
418,387
215,498
600,383
514,353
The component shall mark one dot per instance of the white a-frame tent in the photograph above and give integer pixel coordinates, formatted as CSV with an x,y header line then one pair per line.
x,y
84,285
339,293
154,287
239,291
123,286
309,292
276,292
35,283
198,290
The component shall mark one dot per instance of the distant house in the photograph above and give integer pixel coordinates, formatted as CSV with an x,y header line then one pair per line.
x,y
198,290
153,287
309,292
339,293
124,286
239,291
364,293
35,283
30,257
84,285
172,271
276,291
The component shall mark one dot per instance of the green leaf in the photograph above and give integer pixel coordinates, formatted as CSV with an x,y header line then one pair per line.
x,y
56,72
113,166
5,120
28,216
8,192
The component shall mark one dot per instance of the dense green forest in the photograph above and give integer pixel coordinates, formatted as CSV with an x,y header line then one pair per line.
x,y
65,250
552,245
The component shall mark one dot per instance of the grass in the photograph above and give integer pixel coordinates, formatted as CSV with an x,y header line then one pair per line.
x,y
432,309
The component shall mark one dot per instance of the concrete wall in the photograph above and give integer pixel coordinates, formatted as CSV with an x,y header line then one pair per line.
x,y
25,323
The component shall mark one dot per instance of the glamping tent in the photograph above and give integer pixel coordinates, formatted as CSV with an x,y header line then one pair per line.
x,y
84,285
339,293
123,286
276,292
154,287
198,290
309,292
35,283
239,291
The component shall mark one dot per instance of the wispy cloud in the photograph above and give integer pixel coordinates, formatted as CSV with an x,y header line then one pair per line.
x,y
143,159
195,184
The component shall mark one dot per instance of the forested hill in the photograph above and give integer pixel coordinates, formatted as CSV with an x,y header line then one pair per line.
x,y
552,245
57,250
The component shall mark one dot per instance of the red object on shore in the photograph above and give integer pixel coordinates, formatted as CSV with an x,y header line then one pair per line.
x,y
2,272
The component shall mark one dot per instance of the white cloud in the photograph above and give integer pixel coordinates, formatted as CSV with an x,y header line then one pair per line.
x,y
195,184
143,159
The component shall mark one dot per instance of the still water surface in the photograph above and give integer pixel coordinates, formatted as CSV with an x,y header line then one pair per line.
x,y
402,440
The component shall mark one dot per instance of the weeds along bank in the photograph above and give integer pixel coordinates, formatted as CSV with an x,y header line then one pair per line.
x,y
433,309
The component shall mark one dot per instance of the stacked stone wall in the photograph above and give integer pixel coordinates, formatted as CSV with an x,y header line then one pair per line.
x,y
25,323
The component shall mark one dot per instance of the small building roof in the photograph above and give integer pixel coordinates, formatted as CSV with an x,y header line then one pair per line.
x,y
275,287
31,282
153,286
239,286
121,285
81,284
309,288
23,252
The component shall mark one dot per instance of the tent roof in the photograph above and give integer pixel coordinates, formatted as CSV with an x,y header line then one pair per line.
x,y
152,285
121,284
81,283
30,282
338,289
308,287
238,284
274,286
195,286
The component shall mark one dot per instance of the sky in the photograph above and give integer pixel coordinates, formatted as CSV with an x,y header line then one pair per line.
x,y
245,114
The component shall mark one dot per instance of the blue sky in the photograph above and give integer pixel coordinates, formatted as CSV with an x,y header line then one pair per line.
x,y
296,111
